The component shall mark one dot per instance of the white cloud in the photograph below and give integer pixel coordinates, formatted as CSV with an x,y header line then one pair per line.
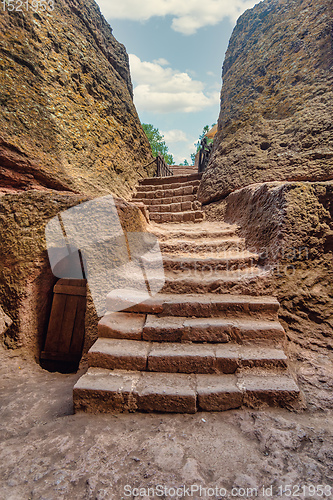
x,y
180,145
164,90
183,152
161,61
163,79
172,136
188,16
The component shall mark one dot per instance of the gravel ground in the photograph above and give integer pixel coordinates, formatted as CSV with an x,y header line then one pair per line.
x,y
48,453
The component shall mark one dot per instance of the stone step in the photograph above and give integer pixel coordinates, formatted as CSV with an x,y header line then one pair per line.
x,y
225,261
196,305
172,185
194,231
190,216
248,281
115,354
190,169
133,326
184,206
220,392
121,325
102,390
167,192
203,245
182,171
223,330
173,179
184,352
167,201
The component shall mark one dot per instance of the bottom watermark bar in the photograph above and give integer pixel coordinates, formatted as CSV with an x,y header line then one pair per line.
x,y
219,492
175,492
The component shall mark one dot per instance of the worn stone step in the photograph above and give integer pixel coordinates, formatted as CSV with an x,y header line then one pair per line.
x,y
192,231
121,325
225,392
182,358
174,199
248,281
115,354
119,354
225,261
173,178
184,206
203,245
168,191
183,170
164,187
218,392
222,330
188,216
162,181
167,201
185,305
102,390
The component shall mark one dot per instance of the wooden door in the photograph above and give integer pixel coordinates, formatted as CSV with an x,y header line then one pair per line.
x,y
65,334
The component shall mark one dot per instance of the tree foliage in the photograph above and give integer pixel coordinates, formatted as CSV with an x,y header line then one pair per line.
x,y
157,143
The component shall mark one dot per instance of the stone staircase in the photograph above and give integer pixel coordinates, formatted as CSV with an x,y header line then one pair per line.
x,y
171,199
183,169
207,342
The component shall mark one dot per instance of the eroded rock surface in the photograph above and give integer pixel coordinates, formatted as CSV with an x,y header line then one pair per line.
x,y
277,99
291,226
67,118
5,321
26,279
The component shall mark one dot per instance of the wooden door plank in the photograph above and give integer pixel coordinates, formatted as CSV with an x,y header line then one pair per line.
x,y
70,290
78,331
72,282
66,332
55,323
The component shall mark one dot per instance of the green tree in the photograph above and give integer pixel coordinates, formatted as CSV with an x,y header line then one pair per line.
x,y
157,143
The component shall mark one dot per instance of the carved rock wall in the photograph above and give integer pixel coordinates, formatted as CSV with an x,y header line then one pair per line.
x,y
26,279
290,224
67,118
276,111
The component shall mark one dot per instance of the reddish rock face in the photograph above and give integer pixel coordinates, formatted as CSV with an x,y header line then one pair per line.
x,y
277,99
26,279
290,225
67,118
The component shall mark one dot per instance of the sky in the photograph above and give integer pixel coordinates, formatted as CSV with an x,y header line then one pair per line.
x,y
176,50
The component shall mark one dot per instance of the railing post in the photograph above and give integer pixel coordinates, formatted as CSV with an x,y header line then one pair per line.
x,y
163,169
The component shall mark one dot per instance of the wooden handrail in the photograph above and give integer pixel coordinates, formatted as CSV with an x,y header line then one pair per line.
x,y
163,169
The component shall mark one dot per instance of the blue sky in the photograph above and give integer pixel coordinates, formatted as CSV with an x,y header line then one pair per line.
x,y
176,53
